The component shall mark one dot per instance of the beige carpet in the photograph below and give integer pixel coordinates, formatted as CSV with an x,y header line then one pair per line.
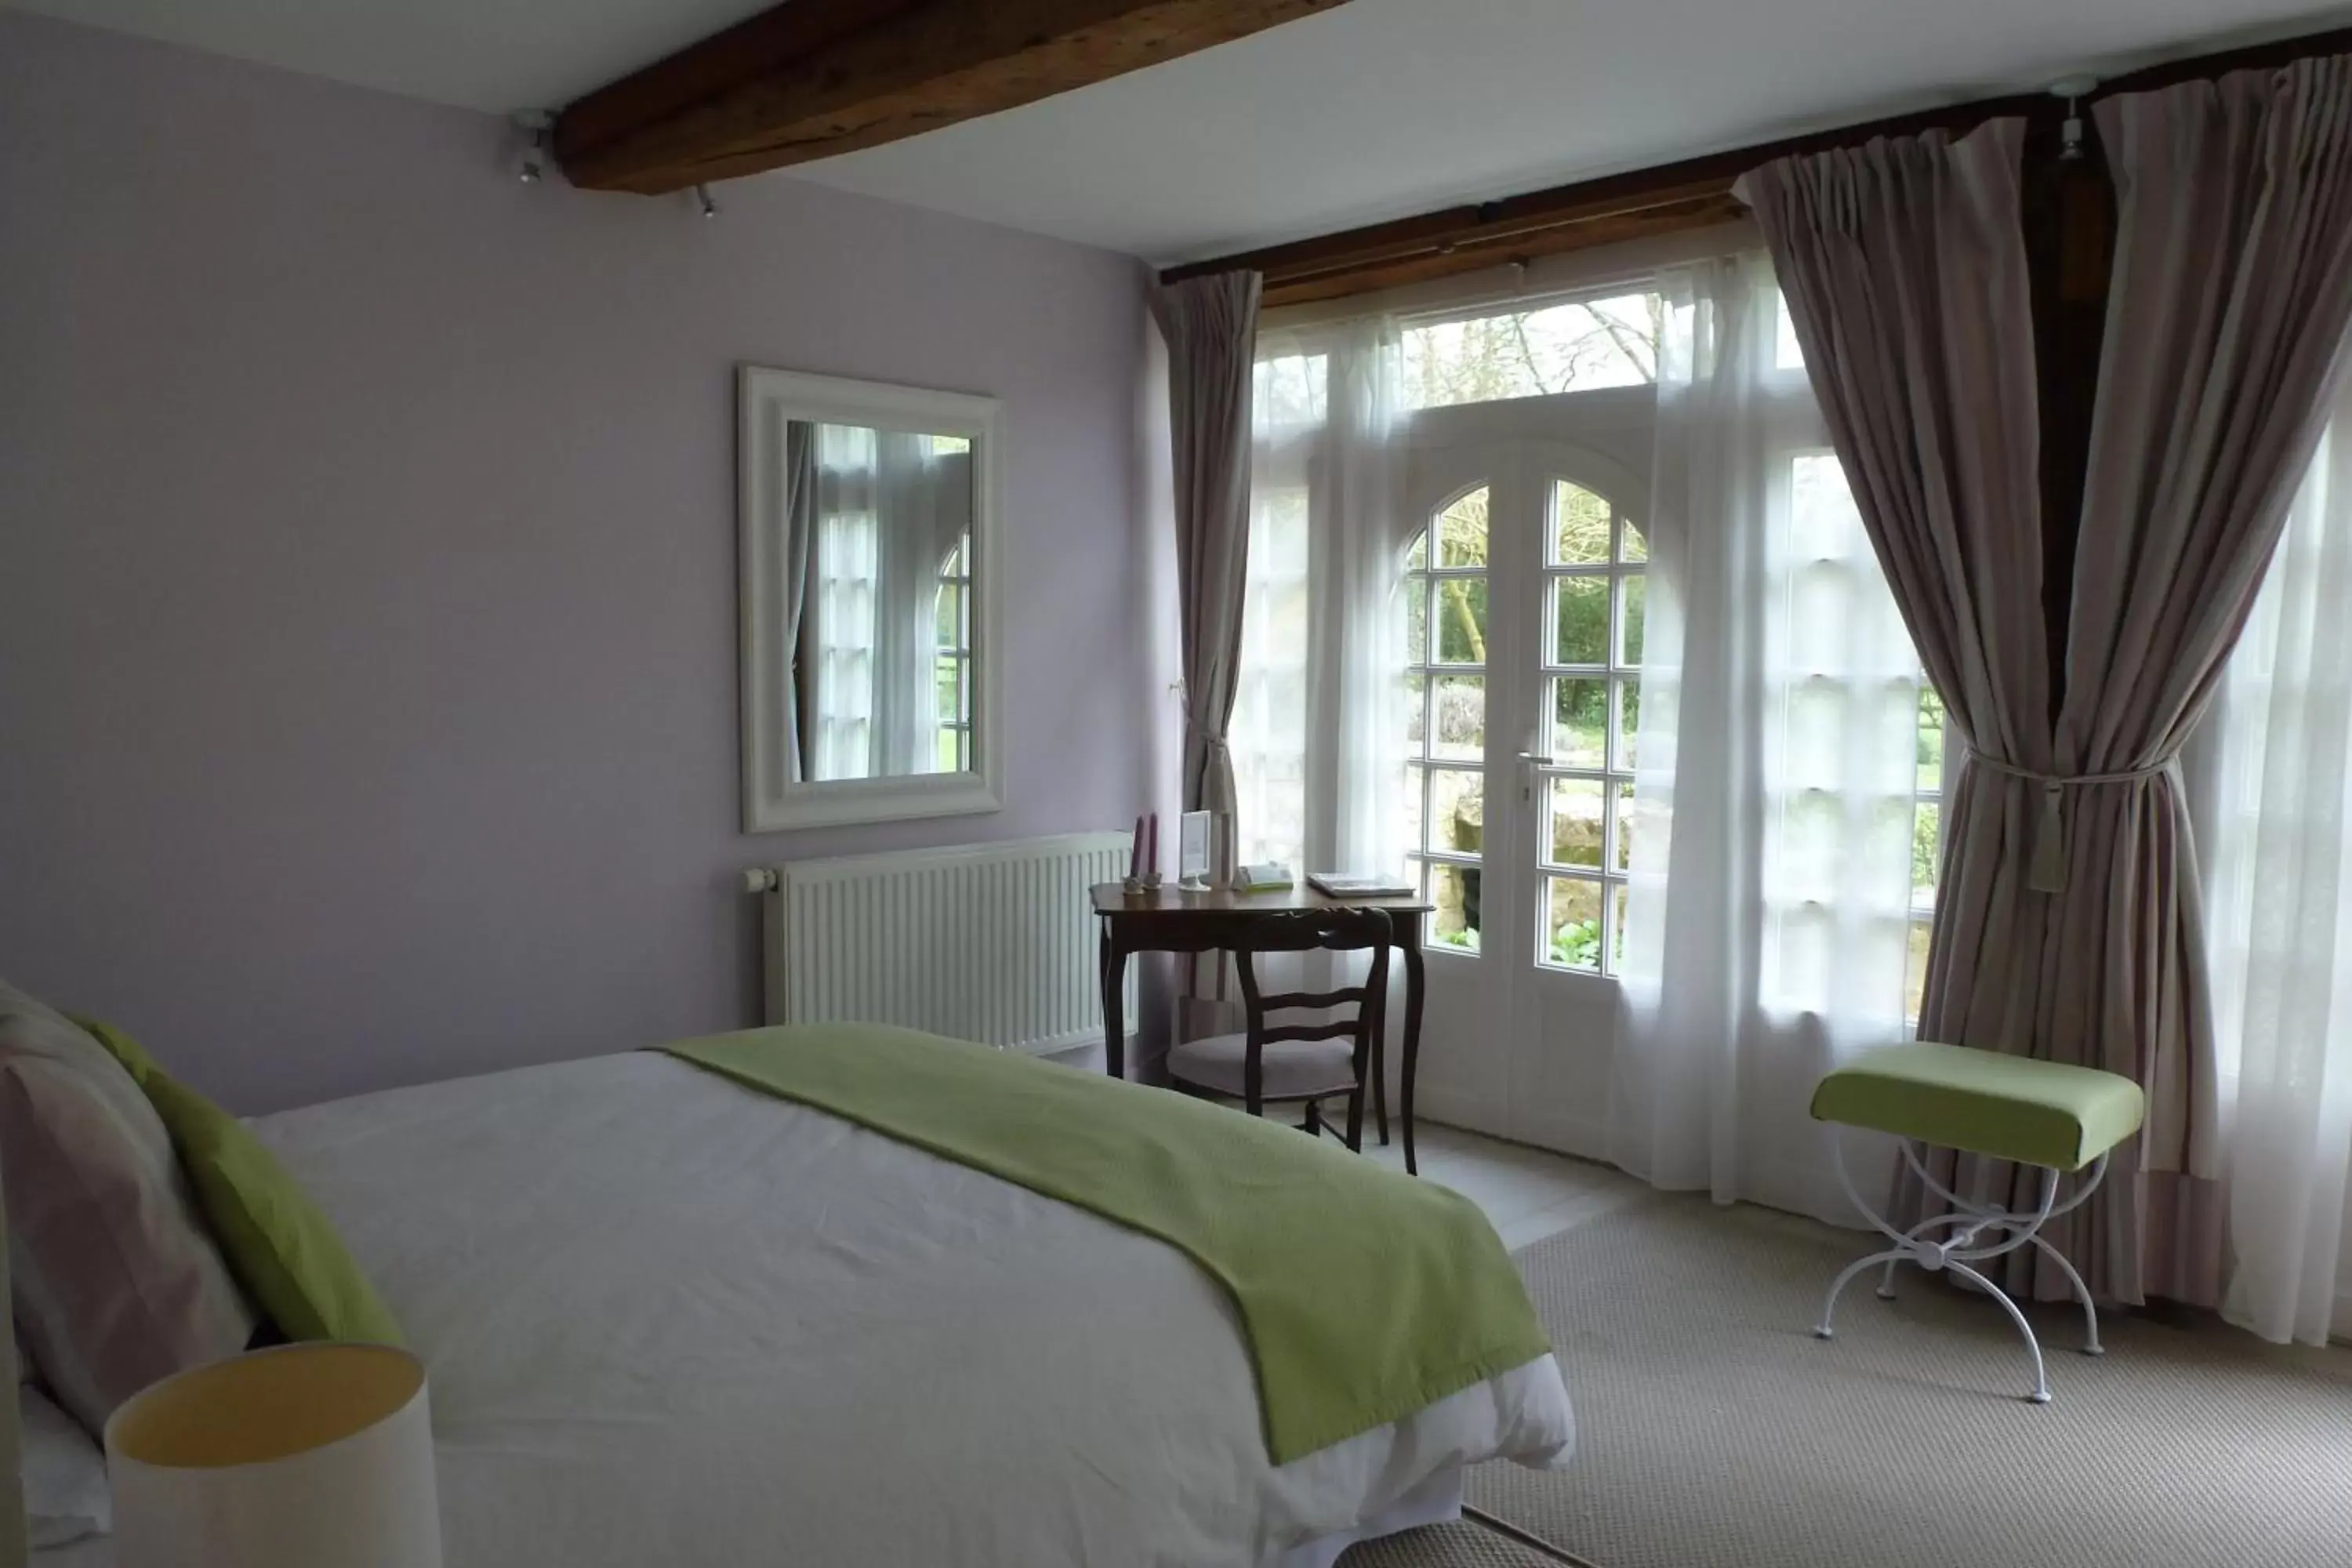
x,y
1715,1432
1465,1545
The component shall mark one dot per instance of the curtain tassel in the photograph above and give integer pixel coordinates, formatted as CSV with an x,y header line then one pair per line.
x,y
2046,870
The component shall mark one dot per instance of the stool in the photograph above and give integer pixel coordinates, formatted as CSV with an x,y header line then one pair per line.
x,y
2049,1115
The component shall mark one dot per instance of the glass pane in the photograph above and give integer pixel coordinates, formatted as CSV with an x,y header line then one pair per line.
x,y
1415,593
1632,544
1629,723
1461,620
1812,846
1636,591
1619,897
1454,890
1285,705
1580,611
1823,524
1290,391
1416,714
1580,721
1576,821
950,619
1628,817
1457,811
1461,531
1786,352
1915,976
1415,781
1931,738
1460,714
949,760
1580,526
1416,555
1572,923
1927,825
954,568
1570,347
943,679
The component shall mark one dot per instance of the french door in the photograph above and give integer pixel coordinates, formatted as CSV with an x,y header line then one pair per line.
x,y
1523,599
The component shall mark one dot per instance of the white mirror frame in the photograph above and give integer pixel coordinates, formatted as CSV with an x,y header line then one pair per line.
x,y
766,401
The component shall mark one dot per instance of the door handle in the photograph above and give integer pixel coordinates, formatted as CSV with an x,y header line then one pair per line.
x,y
1530,761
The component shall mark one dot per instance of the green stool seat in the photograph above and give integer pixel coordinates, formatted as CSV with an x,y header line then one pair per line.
x,y
1985,1102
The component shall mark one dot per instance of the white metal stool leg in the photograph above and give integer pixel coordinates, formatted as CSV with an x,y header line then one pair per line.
x,y
2041,1394
2090,1345
1959,1251
1961,1206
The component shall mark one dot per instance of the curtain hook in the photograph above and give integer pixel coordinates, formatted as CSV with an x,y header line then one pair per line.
x,y
535,123
2073,90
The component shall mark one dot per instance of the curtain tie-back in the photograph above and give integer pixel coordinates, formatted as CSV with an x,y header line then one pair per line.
x,y
2047,874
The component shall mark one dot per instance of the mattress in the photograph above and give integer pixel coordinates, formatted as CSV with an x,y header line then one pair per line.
x,y
669,1319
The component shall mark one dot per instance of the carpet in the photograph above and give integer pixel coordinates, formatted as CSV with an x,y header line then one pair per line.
x,y
1466,1544
1714,1431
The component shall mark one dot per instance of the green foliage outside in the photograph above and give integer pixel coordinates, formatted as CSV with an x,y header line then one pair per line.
x,y
1927,822
1577,945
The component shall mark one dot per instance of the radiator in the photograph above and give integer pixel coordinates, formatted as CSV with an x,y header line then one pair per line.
x,y
994,942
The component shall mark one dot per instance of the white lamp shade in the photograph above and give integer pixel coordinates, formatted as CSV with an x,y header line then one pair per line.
x,y
308,1456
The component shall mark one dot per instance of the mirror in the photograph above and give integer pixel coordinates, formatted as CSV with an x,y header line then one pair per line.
x,y
868,562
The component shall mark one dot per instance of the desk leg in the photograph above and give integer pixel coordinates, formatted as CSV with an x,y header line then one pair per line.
x,y
1113,966
1414,983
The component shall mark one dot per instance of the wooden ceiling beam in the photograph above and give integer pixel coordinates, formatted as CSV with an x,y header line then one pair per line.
x,y
810,79
1693,193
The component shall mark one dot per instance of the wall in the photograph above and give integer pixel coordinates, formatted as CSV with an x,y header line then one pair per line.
x,y
367,536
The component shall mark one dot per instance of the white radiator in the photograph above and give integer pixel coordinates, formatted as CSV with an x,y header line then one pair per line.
x,y
994,942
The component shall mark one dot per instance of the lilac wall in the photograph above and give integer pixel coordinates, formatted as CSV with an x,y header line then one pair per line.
x,y
367,630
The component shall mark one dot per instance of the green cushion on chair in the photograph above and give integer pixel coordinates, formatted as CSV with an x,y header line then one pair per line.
x,y
1986,1102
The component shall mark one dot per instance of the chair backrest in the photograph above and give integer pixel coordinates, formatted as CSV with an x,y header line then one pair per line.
x,y
1307,931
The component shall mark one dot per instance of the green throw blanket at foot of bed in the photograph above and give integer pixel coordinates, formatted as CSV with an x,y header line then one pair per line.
x,y
1365,1294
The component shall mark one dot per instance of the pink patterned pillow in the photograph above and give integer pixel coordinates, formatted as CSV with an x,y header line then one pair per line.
x,y
116,1282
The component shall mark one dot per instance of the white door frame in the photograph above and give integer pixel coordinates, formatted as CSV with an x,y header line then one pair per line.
x,y
1491,1017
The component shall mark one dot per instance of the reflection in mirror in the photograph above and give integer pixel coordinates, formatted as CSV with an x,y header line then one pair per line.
x,y
880,543
871,686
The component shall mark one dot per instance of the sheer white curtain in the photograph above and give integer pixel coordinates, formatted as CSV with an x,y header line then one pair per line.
x,y
1359,521
1771,902
848,572
1317,726
2273,830
890,507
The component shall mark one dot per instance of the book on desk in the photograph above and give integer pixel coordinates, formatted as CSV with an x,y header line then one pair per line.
x,y
1346,885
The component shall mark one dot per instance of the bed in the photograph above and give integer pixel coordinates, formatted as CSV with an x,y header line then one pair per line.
x,y
669,1319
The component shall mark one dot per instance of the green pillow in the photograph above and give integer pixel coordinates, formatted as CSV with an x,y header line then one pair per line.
x,y
281,1249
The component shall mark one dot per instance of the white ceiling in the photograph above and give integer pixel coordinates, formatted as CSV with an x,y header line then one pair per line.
x,y
1375,110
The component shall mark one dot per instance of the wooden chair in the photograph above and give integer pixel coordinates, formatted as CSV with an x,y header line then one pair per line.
x,y
1290,1062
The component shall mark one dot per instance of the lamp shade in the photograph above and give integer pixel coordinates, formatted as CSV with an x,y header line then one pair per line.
x,y
307,1456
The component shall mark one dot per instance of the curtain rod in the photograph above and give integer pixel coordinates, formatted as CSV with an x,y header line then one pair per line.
x,y
1645,203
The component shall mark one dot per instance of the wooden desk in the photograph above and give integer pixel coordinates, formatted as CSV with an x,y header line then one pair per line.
x,y
1171,922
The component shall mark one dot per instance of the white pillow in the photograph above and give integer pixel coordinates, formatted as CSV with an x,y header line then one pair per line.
x,y
65,1474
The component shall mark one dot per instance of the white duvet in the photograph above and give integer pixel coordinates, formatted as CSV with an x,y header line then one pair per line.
x,y
671,1321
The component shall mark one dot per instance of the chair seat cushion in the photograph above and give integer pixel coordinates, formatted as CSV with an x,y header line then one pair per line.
x,y
1985,1102
1292,1068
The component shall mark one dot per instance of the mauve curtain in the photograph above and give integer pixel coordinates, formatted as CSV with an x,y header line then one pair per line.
x,y
1211,327
2069,925
1904,270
